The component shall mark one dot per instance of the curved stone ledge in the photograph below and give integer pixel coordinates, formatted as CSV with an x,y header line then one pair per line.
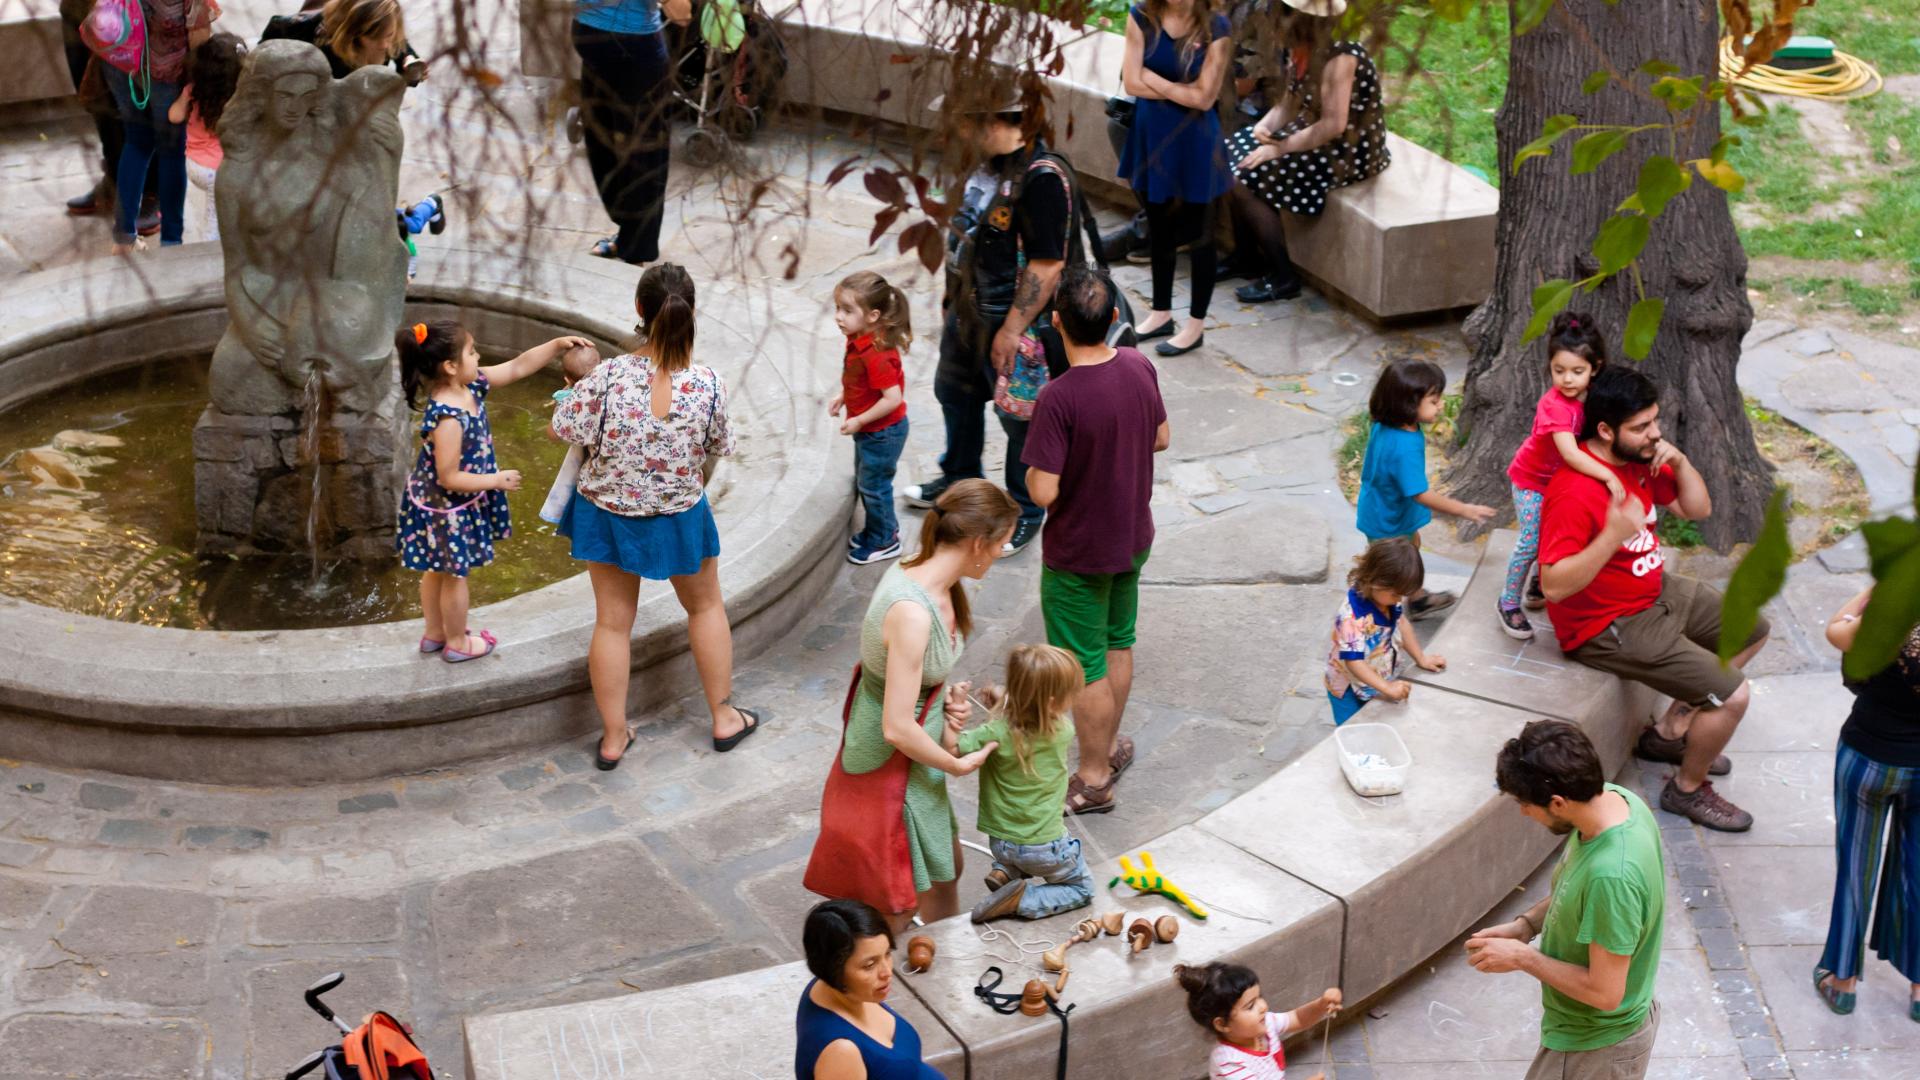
x,y
1311,885
231,707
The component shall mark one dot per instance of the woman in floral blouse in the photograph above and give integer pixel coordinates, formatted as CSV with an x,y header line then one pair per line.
x,y
640,507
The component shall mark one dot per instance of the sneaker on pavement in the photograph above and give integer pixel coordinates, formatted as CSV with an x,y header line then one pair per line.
x,y
863,555
97,200
1023,534
1704,806
1001,902
1535,598
923,496
1652,746
1515,623
1421,607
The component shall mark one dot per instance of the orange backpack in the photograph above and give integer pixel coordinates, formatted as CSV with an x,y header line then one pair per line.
x,y
383,1049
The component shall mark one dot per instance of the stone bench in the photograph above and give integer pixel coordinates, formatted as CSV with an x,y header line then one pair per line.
x,y
1417,238
1310,884
33,62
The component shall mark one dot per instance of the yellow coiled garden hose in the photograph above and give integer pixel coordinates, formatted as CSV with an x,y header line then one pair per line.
x,y
1846,78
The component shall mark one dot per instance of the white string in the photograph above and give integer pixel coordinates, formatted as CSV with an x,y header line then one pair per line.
x,y
993,933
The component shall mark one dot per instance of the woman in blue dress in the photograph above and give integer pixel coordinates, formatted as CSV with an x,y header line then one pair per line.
x,y
1177,53
844,1029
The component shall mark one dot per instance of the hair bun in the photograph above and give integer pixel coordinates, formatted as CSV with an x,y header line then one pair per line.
x,y
1190,979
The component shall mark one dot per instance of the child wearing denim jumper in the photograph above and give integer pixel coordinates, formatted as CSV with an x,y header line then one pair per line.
x,y
1037,868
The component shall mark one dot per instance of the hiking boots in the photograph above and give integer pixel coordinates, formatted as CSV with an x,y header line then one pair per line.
x,y
1657,748
1704,806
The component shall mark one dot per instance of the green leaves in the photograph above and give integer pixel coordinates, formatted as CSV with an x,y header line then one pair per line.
x,y
1643,325
1549,299
1620,241
1594,83
1550,133
1660,180
1758,579
1720,175
1528,13
1452,10
1679,94
1594,148
1718,154
1893,548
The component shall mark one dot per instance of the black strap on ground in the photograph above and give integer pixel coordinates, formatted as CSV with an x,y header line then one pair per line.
x,y
1009,1004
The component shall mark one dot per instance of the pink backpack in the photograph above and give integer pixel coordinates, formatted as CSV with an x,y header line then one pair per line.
x,y
116,31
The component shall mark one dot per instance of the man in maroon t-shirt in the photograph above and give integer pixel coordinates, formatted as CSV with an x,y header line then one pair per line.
x,y
1613,607
1089,457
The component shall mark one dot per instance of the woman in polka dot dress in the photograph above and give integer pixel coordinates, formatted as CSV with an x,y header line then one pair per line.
x,y
1327,131
455,505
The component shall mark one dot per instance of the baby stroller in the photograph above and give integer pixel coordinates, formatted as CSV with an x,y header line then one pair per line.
x,y
380,1049
728,69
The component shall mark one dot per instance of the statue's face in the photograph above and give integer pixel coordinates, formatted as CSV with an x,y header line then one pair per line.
x,y
295,97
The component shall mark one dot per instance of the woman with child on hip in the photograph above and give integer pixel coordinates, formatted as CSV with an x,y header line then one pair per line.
x,y
653,425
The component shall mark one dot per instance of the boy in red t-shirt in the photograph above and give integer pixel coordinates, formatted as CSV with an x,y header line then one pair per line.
x,y
1614,608
873,316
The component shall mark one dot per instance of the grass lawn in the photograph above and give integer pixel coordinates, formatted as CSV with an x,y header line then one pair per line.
x,y
1857,216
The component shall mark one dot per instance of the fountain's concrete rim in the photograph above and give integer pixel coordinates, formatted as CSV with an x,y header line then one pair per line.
x,y
75,668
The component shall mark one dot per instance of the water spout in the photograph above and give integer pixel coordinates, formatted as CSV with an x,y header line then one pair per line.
x,y
314,412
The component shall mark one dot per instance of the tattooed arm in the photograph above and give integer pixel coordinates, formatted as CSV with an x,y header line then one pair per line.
x,y
1030,296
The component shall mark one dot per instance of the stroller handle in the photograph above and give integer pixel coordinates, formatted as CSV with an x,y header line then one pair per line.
x,y
326,983
311,1063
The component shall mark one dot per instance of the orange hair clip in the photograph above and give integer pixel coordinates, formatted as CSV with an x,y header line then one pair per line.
x,y
419,333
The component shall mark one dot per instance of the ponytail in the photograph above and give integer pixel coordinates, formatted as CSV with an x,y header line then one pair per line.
x,y
871,292
423,347
665,298
969,510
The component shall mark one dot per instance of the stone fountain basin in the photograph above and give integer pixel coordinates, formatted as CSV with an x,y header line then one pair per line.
x,y
245,707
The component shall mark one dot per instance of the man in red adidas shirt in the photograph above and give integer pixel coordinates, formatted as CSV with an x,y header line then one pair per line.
x,y
1614,609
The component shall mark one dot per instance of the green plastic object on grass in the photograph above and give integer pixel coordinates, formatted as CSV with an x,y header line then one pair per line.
x,y
1805,47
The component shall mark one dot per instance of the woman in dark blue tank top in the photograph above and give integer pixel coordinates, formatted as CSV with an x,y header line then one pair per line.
x,y
844,1029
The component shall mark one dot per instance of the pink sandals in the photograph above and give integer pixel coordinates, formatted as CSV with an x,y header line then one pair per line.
x,y
455,656
428,645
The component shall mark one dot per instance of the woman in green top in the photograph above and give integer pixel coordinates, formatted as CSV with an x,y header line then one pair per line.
x,y
914,632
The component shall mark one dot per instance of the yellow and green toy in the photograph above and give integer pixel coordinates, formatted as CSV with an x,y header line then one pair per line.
x,y
1149,879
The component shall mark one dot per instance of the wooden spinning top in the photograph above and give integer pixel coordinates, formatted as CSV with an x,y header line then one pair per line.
x,y
919,953
1112,922
1139,935
1033,999
1166,928
1086,930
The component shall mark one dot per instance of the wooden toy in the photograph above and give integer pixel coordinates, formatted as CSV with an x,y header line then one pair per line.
x,y
919,953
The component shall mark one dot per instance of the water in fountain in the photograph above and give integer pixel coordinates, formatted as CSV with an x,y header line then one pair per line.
x,y
314,413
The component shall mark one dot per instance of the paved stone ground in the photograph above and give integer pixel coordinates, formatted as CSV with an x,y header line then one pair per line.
x,y
170,927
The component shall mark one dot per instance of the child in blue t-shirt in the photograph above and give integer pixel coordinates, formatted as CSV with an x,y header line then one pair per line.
x,y
1394,497
1361,662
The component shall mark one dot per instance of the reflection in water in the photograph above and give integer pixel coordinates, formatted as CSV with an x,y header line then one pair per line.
x,y
96,514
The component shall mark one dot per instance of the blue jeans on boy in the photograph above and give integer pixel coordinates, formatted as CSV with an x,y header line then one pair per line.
x,y
876,454
1065,883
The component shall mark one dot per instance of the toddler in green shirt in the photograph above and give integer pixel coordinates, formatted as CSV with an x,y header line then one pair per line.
x,y
1037,868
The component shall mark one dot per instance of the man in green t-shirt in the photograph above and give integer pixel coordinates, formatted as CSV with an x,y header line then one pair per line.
x,y
1600,924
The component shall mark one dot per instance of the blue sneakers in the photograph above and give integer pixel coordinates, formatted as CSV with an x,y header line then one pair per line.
x,y
861,554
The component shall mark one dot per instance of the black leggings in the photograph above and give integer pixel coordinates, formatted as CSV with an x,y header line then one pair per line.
x,y
1170,224
1257,229
624,91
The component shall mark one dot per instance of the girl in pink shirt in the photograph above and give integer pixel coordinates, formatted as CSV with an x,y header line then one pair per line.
x,y
212,72
1575,354
1225,999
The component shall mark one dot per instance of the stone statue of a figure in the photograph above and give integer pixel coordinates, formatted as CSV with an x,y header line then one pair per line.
x,y
316,274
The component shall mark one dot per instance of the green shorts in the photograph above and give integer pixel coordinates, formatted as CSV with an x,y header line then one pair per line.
x,y
1090,615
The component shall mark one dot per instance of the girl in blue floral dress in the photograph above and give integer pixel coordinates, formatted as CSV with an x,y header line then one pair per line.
x,y
456,498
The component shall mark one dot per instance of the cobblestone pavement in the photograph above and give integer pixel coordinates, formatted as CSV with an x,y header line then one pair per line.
x,y
169,927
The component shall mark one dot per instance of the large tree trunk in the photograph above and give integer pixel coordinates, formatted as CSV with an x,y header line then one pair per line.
x,y
1546,227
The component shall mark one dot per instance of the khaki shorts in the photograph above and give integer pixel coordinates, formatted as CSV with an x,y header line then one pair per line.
x,y
1672,646
1624,1060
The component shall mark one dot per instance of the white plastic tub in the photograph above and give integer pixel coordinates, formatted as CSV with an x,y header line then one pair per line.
x,y
1373,759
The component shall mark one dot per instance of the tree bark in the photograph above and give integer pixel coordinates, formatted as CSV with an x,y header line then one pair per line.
x,y
1545,230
